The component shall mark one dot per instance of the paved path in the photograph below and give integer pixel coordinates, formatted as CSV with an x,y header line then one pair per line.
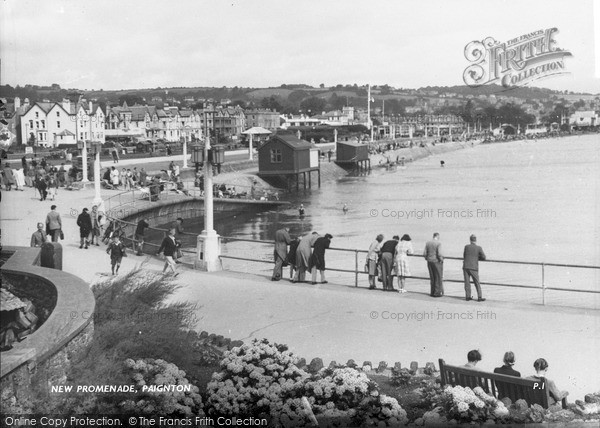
x,y
337,322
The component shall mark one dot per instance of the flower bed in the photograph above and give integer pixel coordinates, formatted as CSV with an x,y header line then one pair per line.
x,y
262,380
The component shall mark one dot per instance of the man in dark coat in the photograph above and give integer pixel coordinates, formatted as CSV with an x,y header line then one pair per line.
x,y
168,247
471,256
84,221
282,240
317,259
435,265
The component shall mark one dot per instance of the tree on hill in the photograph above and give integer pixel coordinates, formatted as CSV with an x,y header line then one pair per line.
x,y
131,99
271,103
313,104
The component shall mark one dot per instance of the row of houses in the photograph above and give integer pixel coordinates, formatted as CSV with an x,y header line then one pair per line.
x,y
51,124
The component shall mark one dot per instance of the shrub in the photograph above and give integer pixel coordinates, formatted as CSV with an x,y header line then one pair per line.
x,y
466,405
158,373
131,320
262,380
255,379
400,377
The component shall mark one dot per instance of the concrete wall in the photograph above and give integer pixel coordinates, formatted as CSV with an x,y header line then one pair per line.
x,y
43,358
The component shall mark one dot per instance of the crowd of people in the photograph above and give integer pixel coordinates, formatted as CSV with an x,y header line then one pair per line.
x,y
40,175
540,366
384,261
305,254
388,259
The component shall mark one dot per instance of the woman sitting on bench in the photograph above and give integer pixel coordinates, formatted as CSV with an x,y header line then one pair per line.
x,y
555,395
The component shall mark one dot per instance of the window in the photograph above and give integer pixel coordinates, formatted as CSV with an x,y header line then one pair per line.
x,y
275,155
43,123
37,123
57,114
31,123
37,114
58,123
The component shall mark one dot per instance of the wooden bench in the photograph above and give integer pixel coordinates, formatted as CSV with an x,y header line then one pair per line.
x,y
498,385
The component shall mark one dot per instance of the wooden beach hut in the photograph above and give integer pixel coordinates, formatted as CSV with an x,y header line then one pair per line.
x,y
291,157
353,154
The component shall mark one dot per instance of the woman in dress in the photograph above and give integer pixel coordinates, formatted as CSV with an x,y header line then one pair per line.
x,y
19,179
403,249
123,179
114,177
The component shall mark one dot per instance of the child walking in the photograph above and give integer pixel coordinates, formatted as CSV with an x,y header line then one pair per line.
x,y
116,249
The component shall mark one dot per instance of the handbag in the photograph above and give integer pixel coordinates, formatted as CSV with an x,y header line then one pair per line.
x,y
62,235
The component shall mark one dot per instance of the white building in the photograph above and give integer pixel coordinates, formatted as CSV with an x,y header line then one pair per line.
x,y
52,124
581,119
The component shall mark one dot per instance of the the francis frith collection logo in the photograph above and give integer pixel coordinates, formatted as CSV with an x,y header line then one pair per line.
x,y
516,62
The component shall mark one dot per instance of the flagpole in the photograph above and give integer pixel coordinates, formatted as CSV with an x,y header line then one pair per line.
x,y
369,124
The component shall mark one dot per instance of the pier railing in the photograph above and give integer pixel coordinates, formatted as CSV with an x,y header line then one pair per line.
x,y
357,256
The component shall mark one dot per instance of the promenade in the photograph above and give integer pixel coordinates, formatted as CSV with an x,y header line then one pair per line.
x,y
339,322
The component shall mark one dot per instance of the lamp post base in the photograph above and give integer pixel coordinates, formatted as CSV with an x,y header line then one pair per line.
x,y
208,250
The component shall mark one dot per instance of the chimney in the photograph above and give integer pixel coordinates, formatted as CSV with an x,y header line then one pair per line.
x,y
66,104
91,107
17,103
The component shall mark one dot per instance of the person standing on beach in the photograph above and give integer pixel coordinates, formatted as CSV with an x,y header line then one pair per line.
x,y
116,249
282,240
53,224
435,265
372,257
471,256
301,210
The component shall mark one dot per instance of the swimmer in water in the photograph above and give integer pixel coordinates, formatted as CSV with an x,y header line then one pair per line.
x,y
345,208
301,210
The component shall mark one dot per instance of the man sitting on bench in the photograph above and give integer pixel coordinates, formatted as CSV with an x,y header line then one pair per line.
x,y
473,357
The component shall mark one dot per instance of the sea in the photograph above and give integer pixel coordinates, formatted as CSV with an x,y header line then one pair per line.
x,y
533,201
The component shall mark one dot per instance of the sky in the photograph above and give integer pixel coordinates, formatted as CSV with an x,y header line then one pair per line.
x,y
264,43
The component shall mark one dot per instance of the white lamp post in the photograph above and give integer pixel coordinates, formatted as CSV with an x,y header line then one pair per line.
x,y
84,162
185,137
97,147
208,245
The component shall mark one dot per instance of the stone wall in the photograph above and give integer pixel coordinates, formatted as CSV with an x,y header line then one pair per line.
x,y
33,380
43,359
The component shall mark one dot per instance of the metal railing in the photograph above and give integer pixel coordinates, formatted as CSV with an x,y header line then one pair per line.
x,y
128,232
357,271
